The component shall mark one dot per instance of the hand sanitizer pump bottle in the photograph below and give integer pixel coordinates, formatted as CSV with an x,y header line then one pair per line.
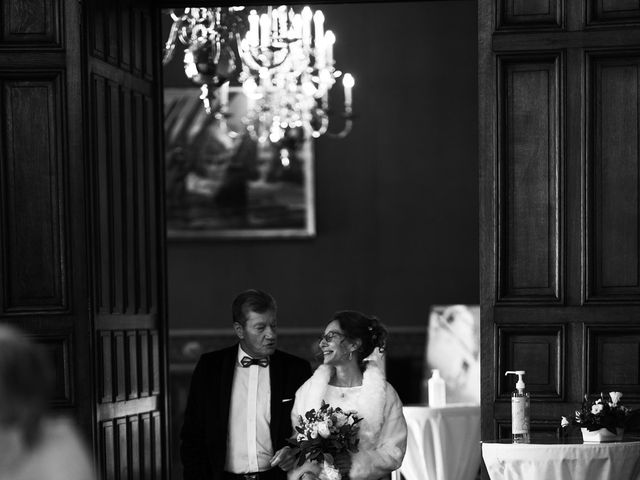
x,y
519,410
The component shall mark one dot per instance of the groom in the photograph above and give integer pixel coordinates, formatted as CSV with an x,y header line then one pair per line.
x,y
237,417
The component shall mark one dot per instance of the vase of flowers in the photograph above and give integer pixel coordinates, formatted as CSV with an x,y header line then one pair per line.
x,y
601,435
601,418
327,436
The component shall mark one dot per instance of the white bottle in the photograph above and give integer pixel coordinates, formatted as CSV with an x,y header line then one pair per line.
x,y
519,410
437,390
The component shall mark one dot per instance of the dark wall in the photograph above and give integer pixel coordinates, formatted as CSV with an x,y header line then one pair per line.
x,y
396,201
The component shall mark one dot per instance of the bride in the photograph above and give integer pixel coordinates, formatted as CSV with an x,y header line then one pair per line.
x,y
350,378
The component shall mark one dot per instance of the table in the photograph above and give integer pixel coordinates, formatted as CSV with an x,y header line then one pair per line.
x,y
442,443
570,460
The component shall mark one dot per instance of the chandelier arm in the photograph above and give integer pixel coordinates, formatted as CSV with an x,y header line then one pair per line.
x,y
217,51
348,117
174,16
170,45
324,124
168,53
254,64
276,65
183,33
249,60
235,45
348,125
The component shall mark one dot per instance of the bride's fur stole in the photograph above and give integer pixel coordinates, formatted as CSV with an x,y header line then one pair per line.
x,y
375,454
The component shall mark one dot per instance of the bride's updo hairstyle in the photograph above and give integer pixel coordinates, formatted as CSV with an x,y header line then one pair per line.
x,y
367,329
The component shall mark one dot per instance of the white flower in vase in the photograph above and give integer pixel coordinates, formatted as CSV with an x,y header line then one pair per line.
x,y
615,397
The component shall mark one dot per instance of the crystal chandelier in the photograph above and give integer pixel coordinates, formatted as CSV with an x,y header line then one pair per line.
x,y
283,60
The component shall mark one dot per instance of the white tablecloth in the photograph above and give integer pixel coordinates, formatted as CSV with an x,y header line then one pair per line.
x,y
589,461
443,443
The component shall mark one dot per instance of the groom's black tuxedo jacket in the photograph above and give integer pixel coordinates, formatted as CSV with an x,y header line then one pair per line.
x,y
204,432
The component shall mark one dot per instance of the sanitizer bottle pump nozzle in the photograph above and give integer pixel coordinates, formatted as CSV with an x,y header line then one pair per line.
x,y
520,382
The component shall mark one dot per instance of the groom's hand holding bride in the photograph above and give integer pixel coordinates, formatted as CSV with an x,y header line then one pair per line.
x,y
285,458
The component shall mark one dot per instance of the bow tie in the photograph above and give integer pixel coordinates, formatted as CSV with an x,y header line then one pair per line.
x,y
248,361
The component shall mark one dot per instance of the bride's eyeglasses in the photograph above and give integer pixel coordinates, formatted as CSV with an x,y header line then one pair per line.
x,y
327,337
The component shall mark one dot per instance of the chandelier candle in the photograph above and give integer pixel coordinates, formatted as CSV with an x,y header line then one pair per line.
x,y
519,410
253,37
329,39
307,15
348,82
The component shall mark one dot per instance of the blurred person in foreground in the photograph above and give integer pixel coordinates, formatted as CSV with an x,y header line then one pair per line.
x,y
237,418
33,444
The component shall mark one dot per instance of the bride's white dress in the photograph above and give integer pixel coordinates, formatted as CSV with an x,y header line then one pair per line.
x,y
383,430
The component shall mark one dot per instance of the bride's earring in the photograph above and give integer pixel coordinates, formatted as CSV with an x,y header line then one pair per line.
x,y
350,355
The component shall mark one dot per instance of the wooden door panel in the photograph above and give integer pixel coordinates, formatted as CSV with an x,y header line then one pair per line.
x,y
34,239
538,349
59,347
613,360
130,365
613,11
613,215
130,447
36,22
530,13
123,36
529,178
125,176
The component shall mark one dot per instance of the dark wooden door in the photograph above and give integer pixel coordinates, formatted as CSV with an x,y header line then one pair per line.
x,y
126,179
81,216
560,250
43,247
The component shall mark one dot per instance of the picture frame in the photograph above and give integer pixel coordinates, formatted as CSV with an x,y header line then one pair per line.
x,y
221,183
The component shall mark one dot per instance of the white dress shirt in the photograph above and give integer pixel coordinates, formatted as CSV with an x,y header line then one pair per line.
x,y
249,447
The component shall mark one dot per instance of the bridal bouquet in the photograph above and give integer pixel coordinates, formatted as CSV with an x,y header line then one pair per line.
x,y
325,434
600,411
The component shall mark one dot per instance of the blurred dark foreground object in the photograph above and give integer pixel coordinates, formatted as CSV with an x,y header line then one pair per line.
x,y
33,444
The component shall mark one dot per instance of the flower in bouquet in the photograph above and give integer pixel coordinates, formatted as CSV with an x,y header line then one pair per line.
x,y
601,411
329,472
325,434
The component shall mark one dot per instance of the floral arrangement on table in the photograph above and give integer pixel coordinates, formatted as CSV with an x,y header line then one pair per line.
x,y
324,435
600,411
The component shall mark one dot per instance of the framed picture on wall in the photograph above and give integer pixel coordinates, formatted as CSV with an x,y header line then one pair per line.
x,y
221,183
